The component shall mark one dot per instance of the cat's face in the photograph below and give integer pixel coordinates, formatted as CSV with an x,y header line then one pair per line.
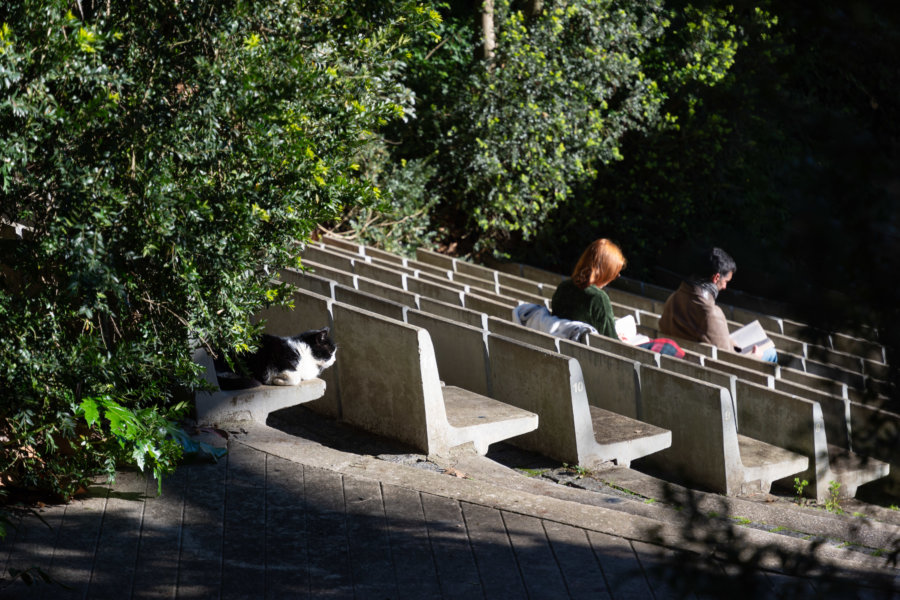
x,y
321,346
299,358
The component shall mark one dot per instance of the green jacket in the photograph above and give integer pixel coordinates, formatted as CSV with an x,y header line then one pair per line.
x,y
590,305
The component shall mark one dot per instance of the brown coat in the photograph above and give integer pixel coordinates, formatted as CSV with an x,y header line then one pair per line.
x,y
691,313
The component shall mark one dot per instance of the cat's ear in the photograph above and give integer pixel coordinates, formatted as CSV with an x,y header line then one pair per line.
x,y
323,334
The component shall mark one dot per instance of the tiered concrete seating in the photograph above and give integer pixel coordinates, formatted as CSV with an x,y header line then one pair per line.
x,y
615,436
840,359
388,384
463,360
828,375
830,464
618,383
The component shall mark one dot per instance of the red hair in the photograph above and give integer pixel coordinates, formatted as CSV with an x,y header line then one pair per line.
x,y
600,263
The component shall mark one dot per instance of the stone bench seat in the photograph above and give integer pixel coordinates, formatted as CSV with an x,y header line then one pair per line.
x,y
852,470
482,420
252,404
388,383
571,430
629,439
765,463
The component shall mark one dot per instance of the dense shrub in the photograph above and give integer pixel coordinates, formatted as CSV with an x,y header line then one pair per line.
x,y
165,158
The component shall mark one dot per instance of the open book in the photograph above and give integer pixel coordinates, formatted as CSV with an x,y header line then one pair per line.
x,y
751,334
626,329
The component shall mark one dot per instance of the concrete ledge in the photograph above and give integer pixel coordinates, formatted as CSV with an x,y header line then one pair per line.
x,y
254,404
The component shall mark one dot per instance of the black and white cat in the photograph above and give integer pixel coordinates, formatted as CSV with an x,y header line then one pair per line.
x,y
281,360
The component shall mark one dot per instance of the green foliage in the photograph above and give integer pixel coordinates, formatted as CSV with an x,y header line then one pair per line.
x,y
165,159
833,503
400,220
578,470
515,136
144,437
684,177
799,486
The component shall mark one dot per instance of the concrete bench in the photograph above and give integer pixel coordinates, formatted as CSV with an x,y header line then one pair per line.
x,y
460,314
706,447
859,347
337,275
512,282
612,381
633,301
798,424
460,350
570,430
220,406
389,385
308,280
523,271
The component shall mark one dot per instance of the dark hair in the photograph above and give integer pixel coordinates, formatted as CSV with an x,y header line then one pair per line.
x,y
718,261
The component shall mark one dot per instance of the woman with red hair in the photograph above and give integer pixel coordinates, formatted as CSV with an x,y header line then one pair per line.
x,y
581,297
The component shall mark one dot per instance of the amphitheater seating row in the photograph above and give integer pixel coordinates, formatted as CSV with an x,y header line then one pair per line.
x,y
517,373
843,350
684,459
795,352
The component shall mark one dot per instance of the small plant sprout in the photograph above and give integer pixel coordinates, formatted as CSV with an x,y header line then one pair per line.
x,y
578,470
799,486
832,503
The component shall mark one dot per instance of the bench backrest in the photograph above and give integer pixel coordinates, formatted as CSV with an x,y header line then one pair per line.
x,y
704,436
546,383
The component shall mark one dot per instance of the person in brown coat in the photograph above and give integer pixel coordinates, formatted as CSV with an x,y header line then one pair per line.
x,y
691,312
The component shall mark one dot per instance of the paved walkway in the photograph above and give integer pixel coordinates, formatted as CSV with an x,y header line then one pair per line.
x,y
289,517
